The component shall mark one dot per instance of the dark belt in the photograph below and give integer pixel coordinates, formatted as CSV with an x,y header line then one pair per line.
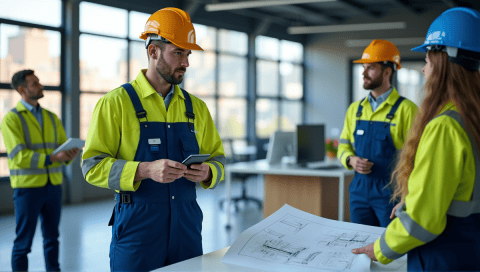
x,y
123,198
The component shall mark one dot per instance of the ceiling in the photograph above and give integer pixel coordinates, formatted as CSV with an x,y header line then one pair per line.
x,y
276,19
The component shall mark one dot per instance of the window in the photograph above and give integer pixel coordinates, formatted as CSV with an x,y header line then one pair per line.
x,y
29,41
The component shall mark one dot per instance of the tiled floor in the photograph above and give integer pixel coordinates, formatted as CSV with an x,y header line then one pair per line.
x,y
85,236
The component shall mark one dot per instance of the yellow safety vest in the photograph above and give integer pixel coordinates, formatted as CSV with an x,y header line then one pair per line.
x,y
28,146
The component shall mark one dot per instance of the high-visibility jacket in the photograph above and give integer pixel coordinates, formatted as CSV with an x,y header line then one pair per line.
x,y
444,173
114,133
399,125
28,146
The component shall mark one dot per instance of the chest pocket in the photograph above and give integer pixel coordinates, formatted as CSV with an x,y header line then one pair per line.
x,y
189,145
383,147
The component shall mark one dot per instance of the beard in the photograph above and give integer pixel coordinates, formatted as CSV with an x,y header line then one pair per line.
x,y
36,96
165,71
374,83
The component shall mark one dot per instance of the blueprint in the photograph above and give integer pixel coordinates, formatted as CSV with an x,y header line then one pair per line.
x,y
293,240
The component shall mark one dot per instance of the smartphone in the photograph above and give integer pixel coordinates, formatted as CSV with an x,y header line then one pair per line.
x,y
195,159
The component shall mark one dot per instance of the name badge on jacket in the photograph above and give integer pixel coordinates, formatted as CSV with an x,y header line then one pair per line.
x,y
360,132
154,145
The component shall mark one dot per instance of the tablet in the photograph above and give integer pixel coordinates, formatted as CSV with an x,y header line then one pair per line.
x,y
195,159
69,144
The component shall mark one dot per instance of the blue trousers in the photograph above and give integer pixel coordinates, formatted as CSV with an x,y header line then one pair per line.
x,y
29,204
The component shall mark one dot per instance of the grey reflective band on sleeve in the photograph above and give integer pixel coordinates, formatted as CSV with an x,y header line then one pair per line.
x,y
344,141
54,127
413,228
386,250
16,150
460,208
34,161
219,174
89,163
57,169
343,153
115,174
220,159
18,172
26,132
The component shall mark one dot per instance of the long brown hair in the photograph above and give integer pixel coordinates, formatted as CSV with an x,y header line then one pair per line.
x,y
447,82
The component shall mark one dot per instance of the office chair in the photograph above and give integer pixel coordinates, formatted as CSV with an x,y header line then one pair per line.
x,y
234,158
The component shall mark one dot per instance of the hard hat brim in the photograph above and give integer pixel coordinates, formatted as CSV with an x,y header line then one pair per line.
x,y
422,48
189,46
375,61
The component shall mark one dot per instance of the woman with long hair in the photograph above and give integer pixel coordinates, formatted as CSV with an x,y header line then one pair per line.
x,y
437,177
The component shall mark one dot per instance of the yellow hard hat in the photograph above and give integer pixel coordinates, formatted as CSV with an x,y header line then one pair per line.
x,y
380,51
171,25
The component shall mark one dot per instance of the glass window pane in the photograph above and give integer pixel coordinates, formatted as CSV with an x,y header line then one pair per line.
x,y
4,172
292,80
267,78
267,117
30,48
103,65
44,12
100,19
51,101
200,75
232,76
87,105
232,118
205,36
212,107
137,24
233,42
291,51
411,81
138,59
291,115
266,47
357,82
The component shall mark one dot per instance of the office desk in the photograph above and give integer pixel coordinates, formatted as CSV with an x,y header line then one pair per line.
x,y
212,262
311,190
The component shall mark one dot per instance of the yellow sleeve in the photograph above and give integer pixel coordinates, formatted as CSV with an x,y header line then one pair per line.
x,y
100,166
345,143
432,187
212,144
19,155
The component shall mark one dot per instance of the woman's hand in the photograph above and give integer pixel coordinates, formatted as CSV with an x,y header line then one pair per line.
x,y
366,250
392,216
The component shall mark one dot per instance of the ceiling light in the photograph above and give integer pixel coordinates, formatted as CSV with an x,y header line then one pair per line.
x,y
258,4
396,41
345,28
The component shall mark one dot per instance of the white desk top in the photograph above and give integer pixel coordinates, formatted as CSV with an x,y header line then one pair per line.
x,y
212,262
262,167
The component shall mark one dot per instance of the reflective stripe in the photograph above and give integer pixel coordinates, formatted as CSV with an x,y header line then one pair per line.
x,y
42,146
219,174
461,208
413,228
116,174
220,159
16,150
89,163
26,132
54,127
34,161
386,250
344,141
343,153
37,171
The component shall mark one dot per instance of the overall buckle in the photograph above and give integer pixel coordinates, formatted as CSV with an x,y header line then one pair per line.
x,y
125,199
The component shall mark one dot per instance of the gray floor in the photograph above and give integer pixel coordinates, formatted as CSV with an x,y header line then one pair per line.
x,y
85,236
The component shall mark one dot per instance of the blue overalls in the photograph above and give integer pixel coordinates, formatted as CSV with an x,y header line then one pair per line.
x,y
159,224
457,248
369,198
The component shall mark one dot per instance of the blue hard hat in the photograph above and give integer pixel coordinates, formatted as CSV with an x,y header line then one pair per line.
x,y
457,27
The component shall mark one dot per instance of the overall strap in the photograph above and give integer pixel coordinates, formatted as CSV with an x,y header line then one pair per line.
x,y
461,208
189,108
140,112
395,108
359,111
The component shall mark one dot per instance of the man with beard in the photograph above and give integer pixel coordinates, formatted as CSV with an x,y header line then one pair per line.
x,y
31,133
374,132
138,137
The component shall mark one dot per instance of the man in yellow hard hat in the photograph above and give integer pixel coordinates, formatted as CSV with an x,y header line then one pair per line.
x,y
375,130
139,135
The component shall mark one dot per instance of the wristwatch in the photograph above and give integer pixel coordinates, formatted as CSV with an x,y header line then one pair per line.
x,y
348,161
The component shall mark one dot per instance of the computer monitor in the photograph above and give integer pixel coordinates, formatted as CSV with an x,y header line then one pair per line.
x,y
281,144
310,143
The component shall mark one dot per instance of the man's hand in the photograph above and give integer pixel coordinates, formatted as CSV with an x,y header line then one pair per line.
x,y
392,216
366,250
361,165
66,155
199,172
162,171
